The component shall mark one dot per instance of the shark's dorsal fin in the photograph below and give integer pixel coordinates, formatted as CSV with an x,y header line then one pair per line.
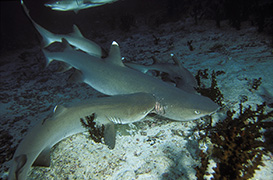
x,y
175,60
43,159
66,45
114,56
77,31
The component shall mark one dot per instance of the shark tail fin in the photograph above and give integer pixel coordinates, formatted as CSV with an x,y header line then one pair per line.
x,y
46,35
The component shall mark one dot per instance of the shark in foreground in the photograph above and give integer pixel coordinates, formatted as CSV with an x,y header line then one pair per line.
x,y
76,38
109,76
76,5
34,149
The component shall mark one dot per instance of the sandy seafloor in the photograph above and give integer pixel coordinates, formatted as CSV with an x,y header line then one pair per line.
x,y
152,149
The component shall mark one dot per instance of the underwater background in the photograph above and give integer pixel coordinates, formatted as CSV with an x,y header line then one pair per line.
x,y
226,44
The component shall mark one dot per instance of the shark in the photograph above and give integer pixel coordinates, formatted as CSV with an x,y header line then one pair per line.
x,y
174,73
111,77
76,38
34,149
76,5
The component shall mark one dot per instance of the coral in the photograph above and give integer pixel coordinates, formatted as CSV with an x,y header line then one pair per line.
x,y
200,171
213,92
96,133
238,143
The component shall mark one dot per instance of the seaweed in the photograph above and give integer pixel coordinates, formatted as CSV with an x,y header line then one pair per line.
x,y
254,84
201,74
213,92
200,171
238,143
95,133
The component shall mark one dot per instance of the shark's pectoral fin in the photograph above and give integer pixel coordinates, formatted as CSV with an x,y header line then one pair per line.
x,y
43,159
21,161
110,134
77,76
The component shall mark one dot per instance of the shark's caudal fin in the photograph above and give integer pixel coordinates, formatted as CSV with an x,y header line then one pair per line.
x,y
46,35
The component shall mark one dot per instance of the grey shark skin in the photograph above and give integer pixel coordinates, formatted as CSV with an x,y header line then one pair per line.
x,y
111,77
177,73
75,5
35,147
76,38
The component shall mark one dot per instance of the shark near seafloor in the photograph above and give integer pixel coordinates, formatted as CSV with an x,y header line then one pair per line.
x,y
111,77
34,149
134,95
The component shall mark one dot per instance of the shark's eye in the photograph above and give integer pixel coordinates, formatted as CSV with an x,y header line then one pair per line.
x,y
197,112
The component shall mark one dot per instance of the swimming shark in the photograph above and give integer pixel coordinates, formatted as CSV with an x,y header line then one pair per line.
x,y
111,77
76,38
176,73
76,5
34,149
